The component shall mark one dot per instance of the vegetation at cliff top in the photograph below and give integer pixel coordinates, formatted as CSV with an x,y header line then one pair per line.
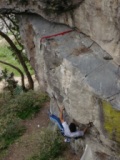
x,y
111,121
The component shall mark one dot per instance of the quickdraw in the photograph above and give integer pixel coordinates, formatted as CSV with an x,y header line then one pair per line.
x,y
55,35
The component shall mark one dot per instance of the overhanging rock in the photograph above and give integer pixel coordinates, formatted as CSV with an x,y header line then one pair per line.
x,y
96,67
74,70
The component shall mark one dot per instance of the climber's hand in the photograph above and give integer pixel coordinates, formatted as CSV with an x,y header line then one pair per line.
x,y
62,108
61,114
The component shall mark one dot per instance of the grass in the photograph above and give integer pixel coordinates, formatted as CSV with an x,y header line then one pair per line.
x,y
6,55
111,121
13,110
29,104
3,154
41,143
51,146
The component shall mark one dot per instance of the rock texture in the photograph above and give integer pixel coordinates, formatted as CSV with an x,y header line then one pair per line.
x,y
101,20
76,72
98,19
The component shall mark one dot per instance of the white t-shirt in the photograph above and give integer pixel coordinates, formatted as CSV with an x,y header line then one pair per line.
x,y
68,133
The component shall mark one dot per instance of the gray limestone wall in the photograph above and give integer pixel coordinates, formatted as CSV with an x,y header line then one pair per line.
x,y
78,69
76,73
100,19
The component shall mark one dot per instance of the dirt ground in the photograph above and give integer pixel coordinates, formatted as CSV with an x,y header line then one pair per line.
x,y
27,144
20,150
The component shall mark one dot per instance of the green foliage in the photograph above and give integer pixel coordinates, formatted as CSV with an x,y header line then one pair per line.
x,y
29,103
3,154
6,54
111,121
4,51
10,81
51,146
13,131
13,110
18,90
4,74
52,152
10,128
2,55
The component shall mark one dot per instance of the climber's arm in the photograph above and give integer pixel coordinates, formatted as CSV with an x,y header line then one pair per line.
x,y
61,114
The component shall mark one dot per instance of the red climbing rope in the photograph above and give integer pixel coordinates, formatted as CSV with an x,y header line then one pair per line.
x,y
54,35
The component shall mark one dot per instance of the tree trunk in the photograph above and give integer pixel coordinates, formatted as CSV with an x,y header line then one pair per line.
x,y
18,53
22,75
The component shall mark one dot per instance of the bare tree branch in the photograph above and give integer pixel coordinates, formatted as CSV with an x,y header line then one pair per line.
x,y
11,31
18,54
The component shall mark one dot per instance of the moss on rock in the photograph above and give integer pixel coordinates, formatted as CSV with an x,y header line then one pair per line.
x,y
111,121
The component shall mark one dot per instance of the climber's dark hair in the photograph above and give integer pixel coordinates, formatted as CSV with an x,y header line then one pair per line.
x,y
72,127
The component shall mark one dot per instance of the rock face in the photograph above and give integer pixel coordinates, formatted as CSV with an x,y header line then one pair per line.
x,y
98,19
76,71
101,21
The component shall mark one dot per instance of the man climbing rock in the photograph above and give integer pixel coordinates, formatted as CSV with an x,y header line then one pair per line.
x,y
71,130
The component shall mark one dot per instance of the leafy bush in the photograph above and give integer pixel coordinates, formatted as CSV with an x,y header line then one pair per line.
x,y
6,54
13,132
10,128
51,146
29,104
11,83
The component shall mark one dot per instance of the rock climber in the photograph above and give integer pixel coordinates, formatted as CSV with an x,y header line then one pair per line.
x,y
71,130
